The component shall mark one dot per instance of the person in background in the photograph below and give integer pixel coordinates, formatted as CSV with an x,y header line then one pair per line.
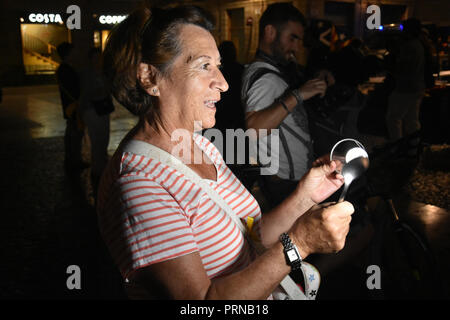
x,y
69,88
95,107
230,113
402,116
273,92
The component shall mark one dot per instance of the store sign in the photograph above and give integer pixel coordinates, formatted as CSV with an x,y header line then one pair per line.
x,y
73,20
45,18
109,19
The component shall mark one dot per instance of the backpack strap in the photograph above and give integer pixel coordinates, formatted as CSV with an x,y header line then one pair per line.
x,y
288,154
253,78
259,73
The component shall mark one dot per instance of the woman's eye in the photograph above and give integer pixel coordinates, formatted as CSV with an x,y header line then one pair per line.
x,y
205,66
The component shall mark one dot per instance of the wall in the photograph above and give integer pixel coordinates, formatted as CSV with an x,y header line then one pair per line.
x,y
11,66
252,10
433,11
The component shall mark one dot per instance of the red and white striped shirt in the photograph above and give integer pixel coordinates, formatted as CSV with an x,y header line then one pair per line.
x,y
149,212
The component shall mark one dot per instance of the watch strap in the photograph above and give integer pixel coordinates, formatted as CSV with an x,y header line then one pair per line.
x,y
289,246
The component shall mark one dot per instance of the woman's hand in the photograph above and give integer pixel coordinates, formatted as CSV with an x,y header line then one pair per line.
x,y
321,181
323,229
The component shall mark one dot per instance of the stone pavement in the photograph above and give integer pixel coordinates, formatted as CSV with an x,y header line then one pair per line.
x,y
49,222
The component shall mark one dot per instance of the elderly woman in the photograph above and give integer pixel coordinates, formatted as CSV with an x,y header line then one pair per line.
x,y
165,233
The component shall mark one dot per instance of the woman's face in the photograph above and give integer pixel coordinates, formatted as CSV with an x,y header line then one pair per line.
x,y
194,83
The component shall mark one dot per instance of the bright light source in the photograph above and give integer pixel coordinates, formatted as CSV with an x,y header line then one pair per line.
x,y
355,153
348,177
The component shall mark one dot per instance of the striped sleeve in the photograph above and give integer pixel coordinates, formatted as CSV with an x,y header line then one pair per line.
x,y
152,226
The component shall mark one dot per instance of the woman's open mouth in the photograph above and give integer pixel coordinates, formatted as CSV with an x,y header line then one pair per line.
x,y
210,104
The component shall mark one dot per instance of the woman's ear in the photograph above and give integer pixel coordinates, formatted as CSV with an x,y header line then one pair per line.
x,y
146,75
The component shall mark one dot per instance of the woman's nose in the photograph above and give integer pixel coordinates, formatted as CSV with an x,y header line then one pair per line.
x,y
220,83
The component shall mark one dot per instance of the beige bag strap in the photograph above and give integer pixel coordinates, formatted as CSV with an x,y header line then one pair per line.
x,y
151,151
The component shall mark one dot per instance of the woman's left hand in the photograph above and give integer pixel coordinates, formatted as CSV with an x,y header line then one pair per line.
x,y
321,181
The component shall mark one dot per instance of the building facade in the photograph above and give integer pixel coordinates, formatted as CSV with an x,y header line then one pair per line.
x,y
33,29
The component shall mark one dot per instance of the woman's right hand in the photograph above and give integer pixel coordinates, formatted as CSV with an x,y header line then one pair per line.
x,y
322,229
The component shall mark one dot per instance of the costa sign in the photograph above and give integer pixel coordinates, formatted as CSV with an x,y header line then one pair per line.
x,y
45,18
73,20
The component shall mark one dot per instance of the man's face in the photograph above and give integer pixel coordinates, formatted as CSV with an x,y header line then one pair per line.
x,y
287,43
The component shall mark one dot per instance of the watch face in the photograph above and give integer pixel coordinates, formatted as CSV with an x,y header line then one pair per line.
x,y
292,255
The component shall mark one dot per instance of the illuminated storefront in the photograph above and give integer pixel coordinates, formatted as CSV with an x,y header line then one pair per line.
x,y
103,24
41,33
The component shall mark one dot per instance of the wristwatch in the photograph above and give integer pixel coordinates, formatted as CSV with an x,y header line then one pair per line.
x,y
291,253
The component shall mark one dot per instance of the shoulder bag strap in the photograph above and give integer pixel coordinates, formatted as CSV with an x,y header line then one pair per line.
x,y
151,151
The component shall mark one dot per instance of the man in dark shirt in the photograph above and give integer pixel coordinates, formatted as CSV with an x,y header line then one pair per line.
x,y
230,112
402,117
69,88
